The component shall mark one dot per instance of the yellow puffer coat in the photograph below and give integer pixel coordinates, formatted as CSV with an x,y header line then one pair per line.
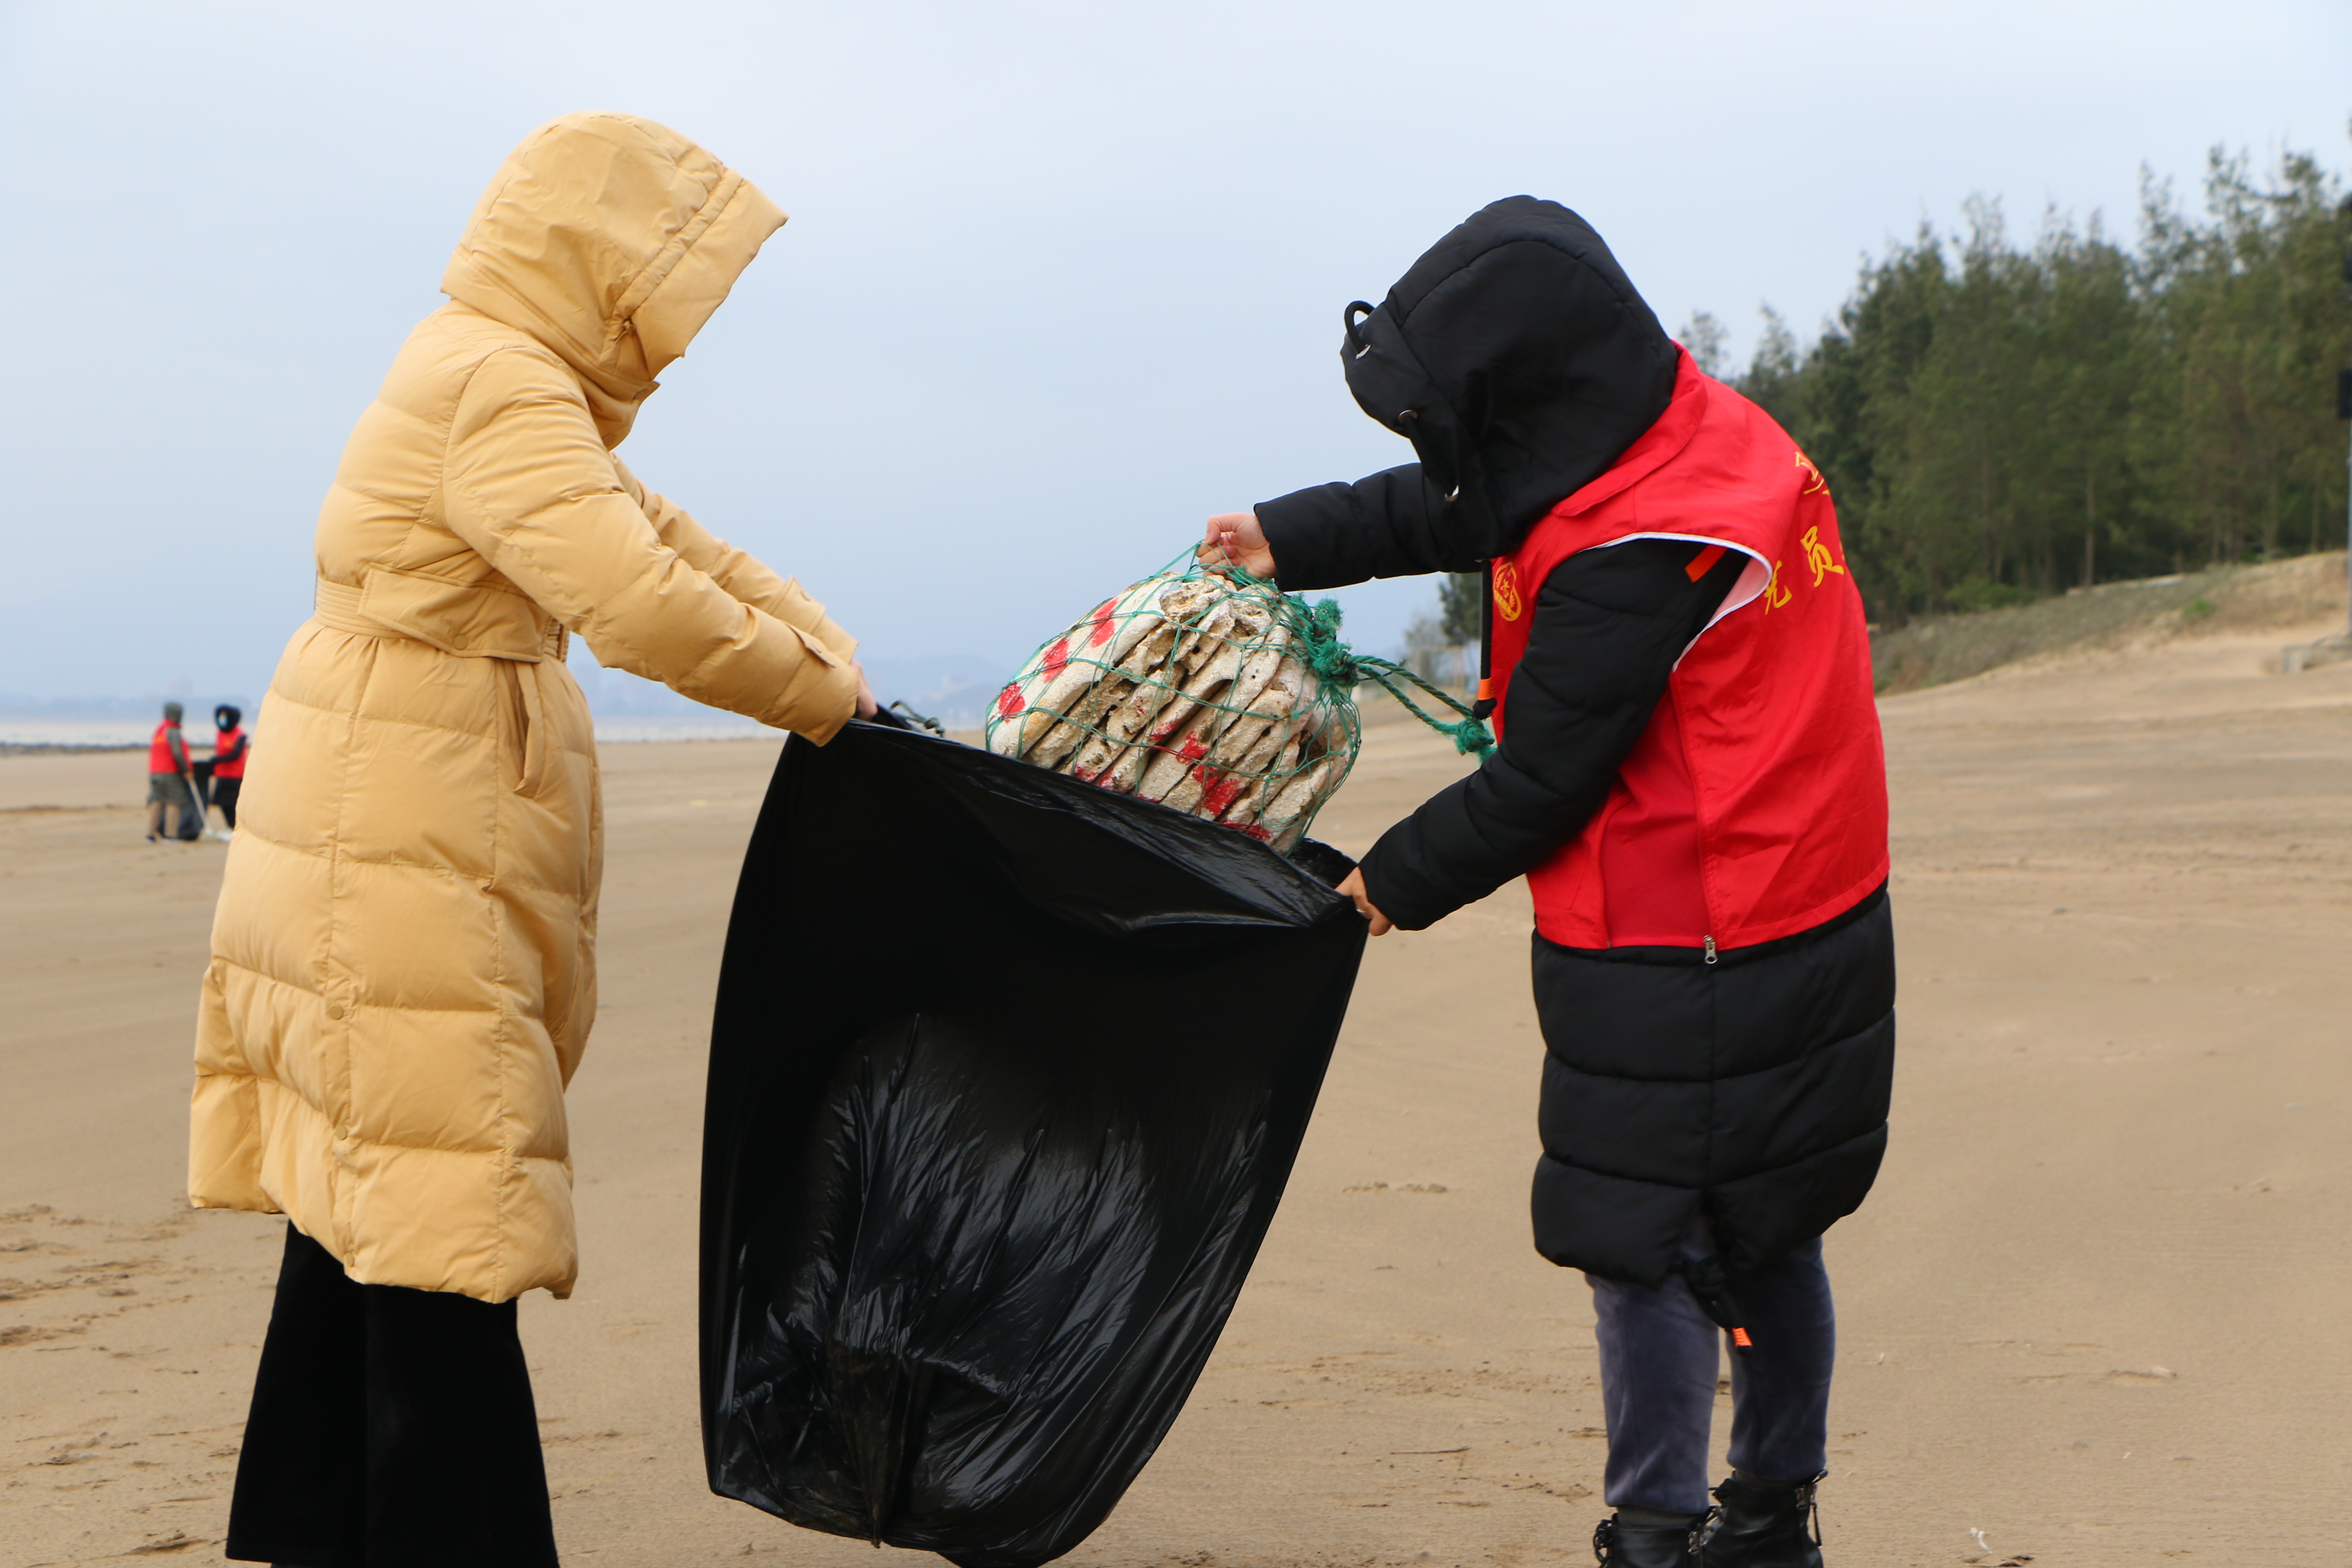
x,y
402,969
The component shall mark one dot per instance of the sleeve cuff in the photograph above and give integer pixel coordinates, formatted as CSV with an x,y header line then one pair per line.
x,y
1290,525
1395,898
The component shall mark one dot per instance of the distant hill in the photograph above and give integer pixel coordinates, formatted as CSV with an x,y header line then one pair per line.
x,y
956,688
80,723
953,689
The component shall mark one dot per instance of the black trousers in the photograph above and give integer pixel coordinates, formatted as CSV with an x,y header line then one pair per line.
x,y
224,795
390,1428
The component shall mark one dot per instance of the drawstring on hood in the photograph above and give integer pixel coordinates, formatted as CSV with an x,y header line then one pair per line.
x,y
611,240
1517,359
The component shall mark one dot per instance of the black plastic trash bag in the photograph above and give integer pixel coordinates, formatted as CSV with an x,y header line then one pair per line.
x,y
1006,1077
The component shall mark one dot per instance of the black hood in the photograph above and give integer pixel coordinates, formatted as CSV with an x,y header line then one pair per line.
x,y
1517,359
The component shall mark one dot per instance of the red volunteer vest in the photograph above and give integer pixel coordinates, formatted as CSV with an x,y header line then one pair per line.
x,y
159,759
1754,805
223,745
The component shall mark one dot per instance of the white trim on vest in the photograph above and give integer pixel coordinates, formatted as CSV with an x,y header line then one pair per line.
x,y
1753,580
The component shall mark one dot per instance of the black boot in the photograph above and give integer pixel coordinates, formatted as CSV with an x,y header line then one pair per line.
x,y
1763,1525
1616,1544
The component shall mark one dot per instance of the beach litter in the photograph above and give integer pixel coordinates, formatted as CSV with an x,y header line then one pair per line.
x,y
1988,1557
1209,690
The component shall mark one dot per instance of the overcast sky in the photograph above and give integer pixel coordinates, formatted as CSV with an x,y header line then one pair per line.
x,y
1060,279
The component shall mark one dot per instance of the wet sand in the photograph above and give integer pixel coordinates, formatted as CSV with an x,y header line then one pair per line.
x,y
2092,1310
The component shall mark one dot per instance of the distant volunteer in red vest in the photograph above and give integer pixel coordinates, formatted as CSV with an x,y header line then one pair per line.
x,y
231,747
169,795
1690,777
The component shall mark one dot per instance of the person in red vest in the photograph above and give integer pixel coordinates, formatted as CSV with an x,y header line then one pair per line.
x,y
170,793
1690,777
231,746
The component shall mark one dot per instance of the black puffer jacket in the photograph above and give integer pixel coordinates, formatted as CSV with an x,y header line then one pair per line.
x,y
1748,1090
1751,1092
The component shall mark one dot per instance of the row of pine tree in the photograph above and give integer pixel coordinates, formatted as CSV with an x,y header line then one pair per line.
x,y
2000,420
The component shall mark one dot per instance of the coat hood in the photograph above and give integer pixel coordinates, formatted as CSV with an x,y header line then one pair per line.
x,y
1517,359
609,239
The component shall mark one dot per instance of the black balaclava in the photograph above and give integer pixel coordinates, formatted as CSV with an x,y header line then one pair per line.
x,y
225,717
1520,362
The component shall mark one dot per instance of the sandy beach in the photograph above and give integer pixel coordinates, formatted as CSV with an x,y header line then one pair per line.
x,y
2090,1316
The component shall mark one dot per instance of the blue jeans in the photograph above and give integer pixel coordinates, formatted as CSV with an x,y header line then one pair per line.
x,y
1658,1368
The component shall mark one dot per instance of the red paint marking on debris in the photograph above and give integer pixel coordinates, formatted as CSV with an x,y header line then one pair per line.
x,y
1008,702
1057,656
1221,795
1194,749
1101,633
1253,829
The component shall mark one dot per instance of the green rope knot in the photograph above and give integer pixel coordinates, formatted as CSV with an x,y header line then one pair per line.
x,y
1316,631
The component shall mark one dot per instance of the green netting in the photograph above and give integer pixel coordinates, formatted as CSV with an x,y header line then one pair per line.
x,y
1210,691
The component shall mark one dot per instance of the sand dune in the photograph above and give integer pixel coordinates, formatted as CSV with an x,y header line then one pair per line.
x,y
2092,1311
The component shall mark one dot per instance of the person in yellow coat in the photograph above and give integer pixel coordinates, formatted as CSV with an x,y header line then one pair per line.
x,y
403,973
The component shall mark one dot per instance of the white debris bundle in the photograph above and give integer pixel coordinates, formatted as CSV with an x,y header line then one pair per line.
x,y
1196,688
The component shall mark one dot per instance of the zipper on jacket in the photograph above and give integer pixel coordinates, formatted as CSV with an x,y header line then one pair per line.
x,y
1710,949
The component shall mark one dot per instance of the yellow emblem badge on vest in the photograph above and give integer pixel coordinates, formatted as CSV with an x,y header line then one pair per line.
x,y
1508,602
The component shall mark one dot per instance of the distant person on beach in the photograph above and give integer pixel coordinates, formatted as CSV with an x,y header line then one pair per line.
x,y
231,747
1690,777
403,975
171,791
